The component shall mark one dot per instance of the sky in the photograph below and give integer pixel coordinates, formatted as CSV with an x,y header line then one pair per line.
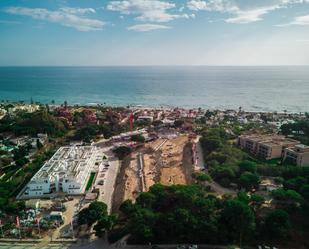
x,y
154,32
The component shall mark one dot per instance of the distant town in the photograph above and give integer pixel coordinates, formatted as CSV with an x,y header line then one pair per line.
x,y
137,177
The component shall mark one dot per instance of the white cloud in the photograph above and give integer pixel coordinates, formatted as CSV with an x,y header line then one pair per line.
x,y
241,13
212,5
77,10
59,16
146,10
147,27
197,5
249,16
9,22
299,20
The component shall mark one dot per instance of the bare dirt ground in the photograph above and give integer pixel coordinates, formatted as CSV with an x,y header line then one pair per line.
x,y
152,166
173,164
168,161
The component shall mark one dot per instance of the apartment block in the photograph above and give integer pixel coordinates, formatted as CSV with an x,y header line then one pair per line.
x,y
66,172
266,146
299,154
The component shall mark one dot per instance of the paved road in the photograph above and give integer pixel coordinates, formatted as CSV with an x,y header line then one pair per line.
x,y
107,190
199,160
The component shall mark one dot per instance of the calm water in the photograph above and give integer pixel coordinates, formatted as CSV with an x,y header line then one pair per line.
x,y
253,88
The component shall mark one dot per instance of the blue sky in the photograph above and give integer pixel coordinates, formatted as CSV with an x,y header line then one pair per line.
x,y
154,32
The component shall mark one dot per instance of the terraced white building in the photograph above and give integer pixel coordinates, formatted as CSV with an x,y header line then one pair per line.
x,y
66,172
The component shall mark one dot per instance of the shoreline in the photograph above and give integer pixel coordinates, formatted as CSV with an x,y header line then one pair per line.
x,y
154,107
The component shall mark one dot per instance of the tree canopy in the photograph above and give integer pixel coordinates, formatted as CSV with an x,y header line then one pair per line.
x,y
186,214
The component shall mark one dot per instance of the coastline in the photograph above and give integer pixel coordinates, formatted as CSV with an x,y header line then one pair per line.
x,y
156,107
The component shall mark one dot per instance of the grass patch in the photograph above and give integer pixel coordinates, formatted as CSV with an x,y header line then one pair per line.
x,y
90,181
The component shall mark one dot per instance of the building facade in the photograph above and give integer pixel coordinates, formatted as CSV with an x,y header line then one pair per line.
x,y
266,146
66,172
299,154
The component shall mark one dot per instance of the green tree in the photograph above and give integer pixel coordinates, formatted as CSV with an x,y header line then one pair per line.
x,y
256,199
122,151
247,166
210,144
295,183
304,190
93,213
87,132
201,177
288,196
39,145
179,123
146,199
104,224
237,221
141,225
277,224
138,138
127,207
157,123
249,181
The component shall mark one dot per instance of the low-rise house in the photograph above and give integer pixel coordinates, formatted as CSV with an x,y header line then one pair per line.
x,y
43,138
22,140
145,118
2,113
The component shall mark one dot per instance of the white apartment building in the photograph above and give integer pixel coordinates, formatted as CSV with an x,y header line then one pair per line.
x,y
66,172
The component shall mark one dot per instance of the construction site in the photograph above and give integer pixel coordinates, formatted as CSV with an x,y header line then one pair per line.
x,y
166,160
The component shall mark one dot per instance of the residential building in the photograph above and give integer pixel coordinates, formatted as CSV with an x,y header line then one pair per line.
x,y
66,172
298,154
266,146
145,118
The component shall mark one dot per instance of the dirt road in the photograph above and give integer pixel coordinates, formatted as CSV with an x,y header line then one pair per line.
x,y
127,183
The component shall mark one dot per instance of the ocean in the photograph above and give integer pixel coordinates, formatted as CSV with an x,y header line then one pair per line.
x,y
253,88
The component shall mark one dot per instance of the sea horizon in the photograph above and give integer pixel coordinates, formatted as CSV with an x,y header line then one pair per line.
x,y
155,65
254,88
